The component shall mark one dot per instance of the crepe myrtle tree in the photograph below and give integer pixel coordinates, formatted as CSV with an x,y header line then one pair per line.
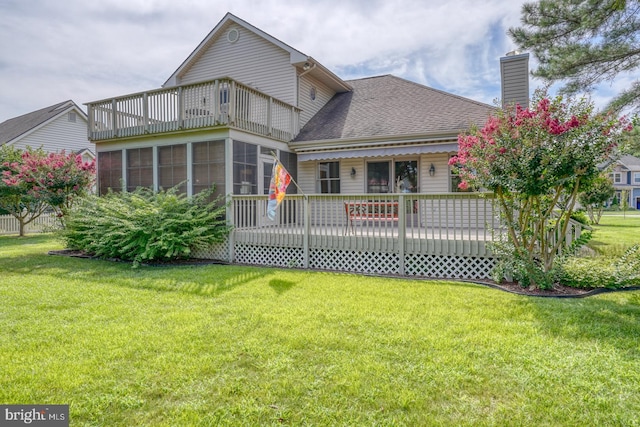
x,y
33,182
532,158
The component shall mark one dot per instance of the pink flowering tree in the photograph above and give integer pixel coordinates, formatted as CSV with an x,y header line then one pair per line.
x,y
537,161
35,182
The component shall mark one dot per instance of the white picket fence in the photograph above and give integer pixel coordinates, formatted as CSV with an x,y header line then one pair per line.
x,y
45,222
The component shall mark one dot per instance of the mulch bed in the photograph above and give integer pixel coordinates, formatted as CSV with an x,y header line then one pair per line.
x,y
558,291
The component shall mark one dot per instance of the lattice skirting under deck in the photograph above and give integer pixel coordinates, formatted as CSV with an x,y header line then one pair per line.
x,y
219,251
269,256
416,265
441,266
354,261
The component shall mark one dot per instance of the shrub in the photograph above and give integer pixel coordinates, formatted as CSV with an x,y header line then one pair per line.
x,y
601,272
628,267
145,226
597,272
526,271
581,217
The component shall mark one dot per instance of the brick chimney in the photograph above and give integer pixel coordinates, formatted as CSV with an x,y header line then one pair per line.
x,y
514,79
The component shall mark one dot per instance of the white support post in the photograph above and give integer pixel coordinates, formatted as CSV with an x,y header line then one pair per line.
x,y
402,232
145,111
124,169
307,230
189,169
180,108
269,119
216,102
292,117
154,171
232,103
114,118
228,179
91,124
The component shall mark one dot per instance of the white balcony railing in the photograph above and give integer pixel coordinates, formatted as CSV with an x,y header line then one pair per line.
x,y
222,102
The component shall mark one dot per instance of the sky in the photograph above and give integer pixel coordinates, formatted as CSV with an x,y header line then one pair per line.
x,y
84,50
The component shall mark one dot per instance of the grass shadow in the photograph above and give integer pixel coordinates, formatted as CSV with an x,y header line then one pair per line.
x,y
209,280
281,286
612,318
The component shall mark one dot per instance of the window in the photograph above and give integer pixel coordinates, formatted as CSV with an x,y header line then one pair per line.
x,y
406,176
139,168
245,168
72,116
455,180
290,162
208,166
617,177
329,177
109,171
378,177
172,167
636,178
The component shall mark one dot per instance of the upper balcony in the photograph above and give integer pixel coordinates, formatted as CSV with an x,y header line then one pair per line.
x,y
215,103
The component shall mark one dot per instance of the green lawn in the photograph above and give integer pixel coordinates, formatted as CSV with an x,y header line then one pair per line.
x,y
616,232
229,345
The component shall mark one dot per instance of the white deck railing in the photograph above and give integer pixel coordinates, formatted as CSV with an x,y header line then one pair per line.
x,y
220,102
446,224
456,224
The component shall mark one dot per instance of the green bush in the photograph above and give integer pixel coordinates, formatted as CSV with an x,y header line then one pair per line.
x,y
581,217
145,226
596,272
601,272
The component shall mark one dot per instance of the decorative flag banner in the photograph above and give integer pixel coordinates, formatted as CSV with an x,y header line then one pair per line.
x,y
280,180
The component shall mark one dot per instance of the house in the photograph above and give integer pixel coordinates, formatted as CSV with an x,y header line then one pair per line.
x,y
371,151
625,174
242,95
62,126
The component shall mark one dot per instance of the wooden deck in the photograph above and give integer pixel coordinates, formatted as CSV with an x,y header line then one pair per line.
x,y
222,102
452,225
430,235
440,241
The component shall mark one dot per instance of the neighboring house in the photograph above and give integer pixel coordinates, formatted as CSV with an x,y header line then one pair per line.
x,y
242,95
625,174
59,127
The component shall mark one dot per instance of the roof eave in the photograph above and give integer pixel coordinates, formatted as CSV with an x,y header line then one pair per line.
x,y
359,142
335,82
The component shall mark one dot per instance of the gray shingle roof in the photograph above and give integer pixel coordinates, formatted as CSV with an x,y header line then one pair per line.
x,y
13,128
632,163
391,106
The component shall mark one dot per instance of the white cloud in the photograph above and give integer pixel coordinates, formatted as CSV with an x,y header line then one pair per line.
x,y
86,50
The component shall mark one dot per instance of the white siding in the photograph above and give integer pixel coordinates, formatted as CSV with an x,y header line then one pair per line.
x,y
349,185
310,106
59,134
251,60
308,172
307,177
439,182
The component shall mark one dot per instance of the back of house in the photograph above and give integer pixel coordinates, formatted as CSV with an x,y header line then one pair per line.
x,y
243,96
